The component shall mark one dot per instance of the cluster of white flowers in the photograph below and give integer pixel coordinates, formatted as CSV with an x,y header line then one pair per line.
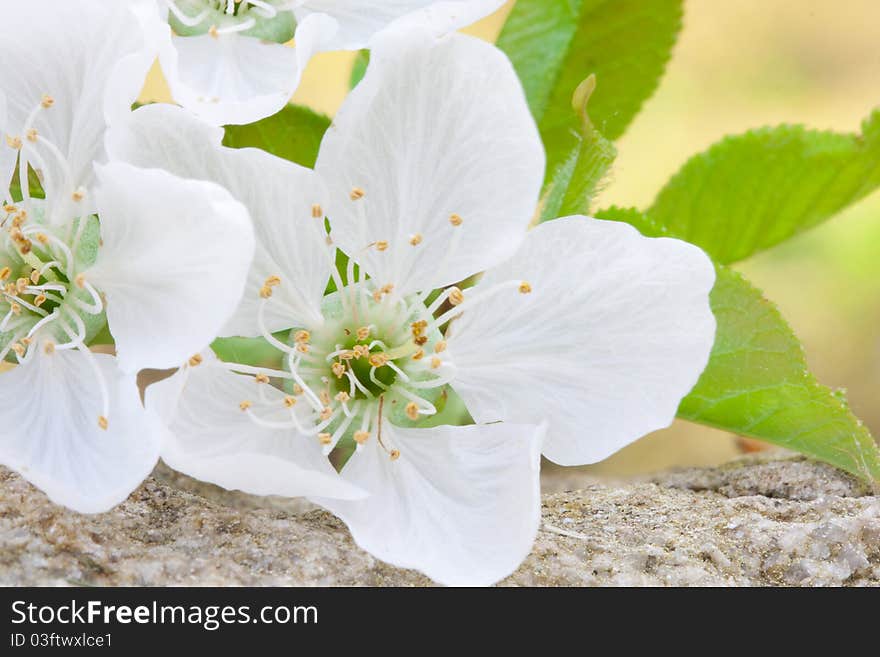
x,y
580,336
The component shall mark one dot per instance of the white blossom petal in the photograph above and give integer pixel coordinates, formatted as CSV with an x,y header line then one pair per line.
x,y
279,195
8,156
424,146
461,504
616,331
91,58
173,263
213,440
50,435
234,78
360,20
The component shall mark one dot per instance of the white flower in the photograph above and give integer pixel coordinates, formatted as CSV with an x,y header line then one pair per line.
x,y
149,262
227,63
580,329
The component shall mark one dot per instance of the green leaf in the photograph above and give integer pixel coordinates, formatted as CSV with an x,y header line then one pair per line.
x,y
752,191
571,186
556,47
642,222
757,383
294,133
555,44
359,68
250,351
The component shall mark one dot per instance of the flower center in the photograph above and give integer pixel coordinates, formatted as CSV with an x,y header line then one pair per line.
x,y
376,357
270,20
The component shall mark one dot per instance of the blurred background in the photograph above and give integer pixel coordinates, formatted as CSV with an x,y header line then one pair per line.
x,y
740,65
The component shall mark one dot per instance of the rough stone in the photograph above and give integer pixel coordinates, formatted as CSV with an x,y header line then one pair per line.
x,y
758,521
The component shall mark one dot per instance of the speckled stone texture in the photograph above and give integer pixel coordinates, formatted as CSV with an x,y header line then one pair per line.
x,y
765,521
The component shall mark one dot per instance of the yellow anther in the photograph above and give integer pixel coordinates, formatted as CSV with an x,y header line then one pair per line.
x,y
379,360
325,438
47,101
421,341
27,341
435,362
32,135
42,238
297,389
79,194
40,300
346,355
80,280
301,337
338,369
245,405
363,333
15,308
13,142
9,208
195,360
412,411
265,292
324,397
302,348
317,211
326,413
342,397
49,348
9,289
18,349
394,454
456,296
21,284
382,245
272,281
525,287
102,422
213,31
360,350
360,437
419,354
35,276
455,219
25,246
5,273
261,378
387,288
440,347
289,401
416,239
356,194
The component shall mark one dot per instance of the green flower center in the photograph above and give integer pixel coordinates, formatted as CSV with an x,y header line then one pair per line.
x,y
264,20
41,290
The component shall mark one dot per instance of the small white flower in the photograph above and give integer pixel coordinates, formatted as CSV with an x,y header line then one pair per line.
x,y
110,242
227,63
580,329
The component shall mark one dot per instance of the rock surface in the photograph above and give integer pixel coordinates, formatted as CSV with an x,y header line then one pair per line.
x,y
764,521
